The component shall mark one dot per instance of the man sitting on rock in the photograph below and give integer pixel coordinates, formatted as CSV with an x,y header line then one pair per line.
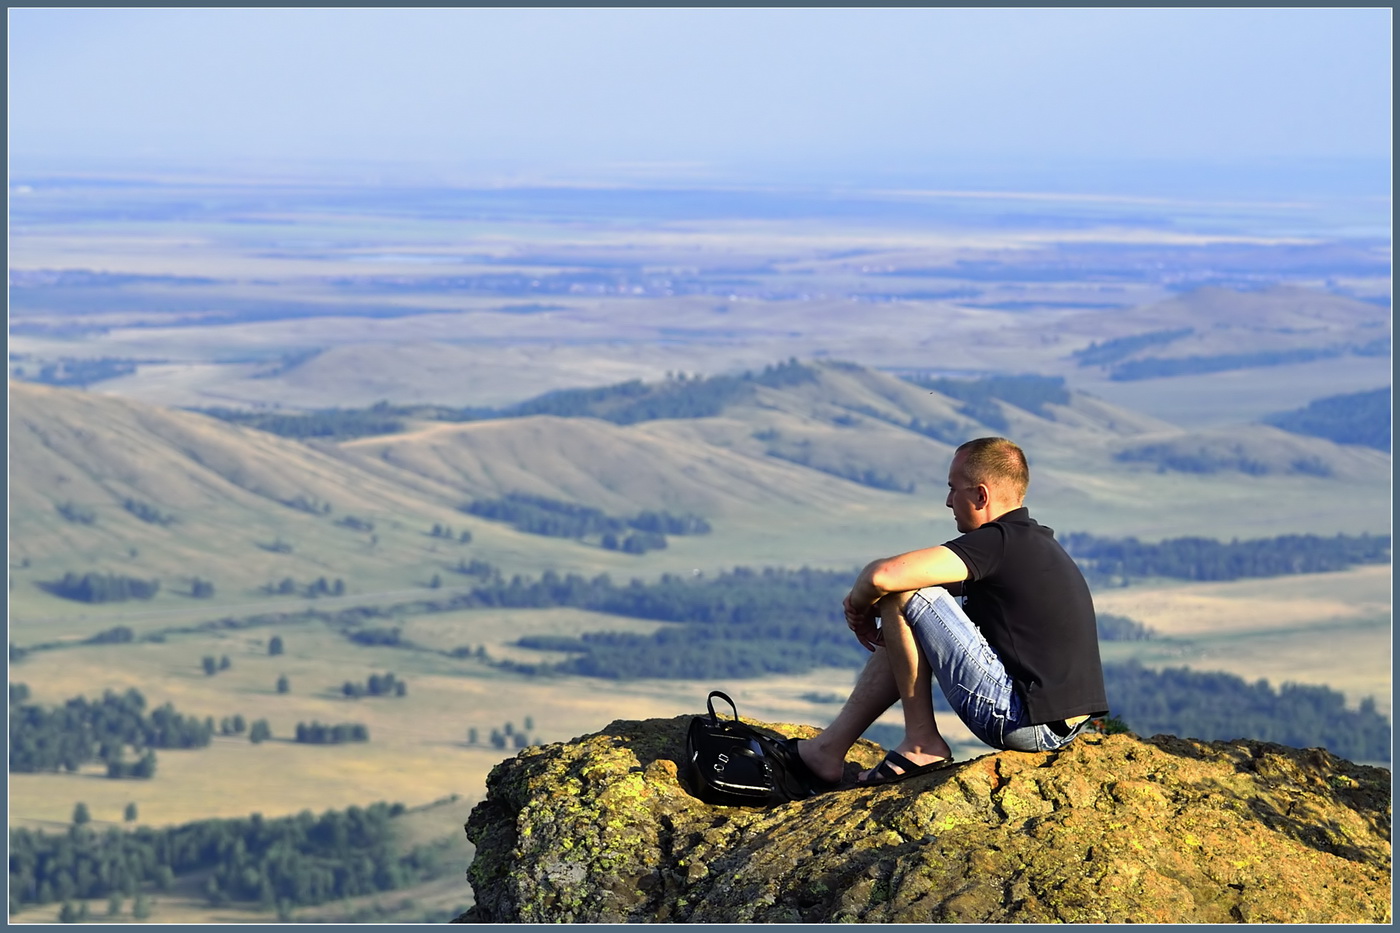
x,y
1018,661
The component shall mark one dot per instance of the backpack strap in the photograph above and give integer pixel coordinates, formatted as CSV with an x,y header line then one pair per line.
x,y
710,704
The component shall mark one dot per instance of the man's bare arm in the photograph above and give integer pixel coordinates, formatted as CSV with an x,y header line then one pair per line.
x,y
934,566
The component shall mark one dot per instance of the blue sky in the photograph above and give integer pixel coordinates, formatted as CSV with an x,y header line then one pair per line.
x,y
880,89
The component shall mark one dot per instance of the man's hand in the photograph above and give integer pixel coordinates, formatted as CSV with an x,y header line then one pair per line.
x,y
864,623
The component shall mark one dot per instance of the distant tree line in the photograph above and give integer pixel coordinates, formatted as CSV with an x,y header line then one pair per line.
x,y
1121,628
102,587
678,397
270,863
1107,560
865,476
1170,456
1118,348
308,504
82,730
624,403
390,637
1358,418
116,635
1155,367
71,371
317,733
328,424
550,517
1213,705
1028,392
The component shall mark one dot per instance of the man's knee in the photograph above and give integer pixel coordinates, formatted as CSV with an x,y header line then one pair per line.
x,y
891,607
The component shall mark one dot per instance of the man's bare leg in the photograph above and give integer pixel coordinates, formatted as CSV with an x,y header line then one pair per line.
x,y
912,677
874,692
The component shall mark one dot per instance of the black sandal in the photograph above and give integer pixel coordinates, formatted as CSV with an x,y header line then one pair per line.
x,y
885,773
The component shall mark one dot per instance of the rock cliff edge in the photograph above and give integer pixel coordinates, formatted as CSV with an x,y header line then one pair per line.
x,y
1112,829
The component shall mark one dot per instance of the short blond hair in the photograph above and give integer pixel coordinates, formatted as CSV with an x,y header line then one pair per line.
x,y
996,461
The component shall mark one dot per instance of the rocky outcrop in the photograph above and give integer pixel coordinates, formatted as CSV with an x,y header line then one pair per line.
x,y
1113,829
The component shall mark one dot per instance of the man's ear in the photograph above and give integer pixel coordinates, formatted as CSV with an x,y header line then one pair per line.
x,y
984,496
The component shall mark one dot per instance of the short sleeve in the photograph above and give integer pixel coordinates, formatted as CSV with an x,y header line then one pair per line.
x,y
981,550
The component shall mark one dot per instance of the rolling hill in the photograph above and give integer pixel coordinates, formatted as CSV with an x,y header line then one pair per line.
x,y
812,466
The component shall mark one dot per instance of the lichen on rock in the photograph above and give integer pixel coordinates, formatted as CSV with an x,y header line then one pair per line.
x,y
1111,829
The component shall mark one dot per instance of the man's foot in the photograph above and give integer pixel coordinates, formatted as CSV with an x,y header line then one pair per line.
x,y
823,767
904,759
895,767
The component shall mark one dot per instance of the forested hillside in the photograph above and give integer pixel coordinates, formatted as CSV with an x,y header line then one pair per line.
x,y
1357,418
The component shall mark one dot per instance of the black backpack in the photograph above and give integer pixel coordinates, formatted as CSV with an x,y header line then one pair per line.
x,y
734,764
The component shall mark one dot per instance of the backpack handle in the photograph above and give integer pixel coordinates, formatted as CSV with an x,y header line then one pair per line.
x,y
710,704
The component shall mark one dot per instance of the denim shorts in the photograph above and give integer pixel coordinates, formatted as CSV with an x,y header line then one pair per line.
x,y
973,678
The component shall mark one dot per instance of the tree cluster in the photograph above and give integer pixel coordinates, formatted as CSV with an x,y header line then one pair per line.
x,y
147,512
77,514
1213,705
271,863
318,587
233,725
445,531
1030,393
506,735
550,517
82,730
103,587
1191,558
378,685
318,733
213,665
391,637
116,635
865,476
310,505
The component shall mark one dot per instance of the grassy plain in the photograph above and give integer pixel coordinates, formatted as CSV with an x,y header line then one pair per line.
x,y
1331,628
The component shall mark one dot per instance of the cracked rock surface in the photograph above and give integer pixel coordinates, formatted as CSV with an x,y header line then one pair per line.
x,y
1113,829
